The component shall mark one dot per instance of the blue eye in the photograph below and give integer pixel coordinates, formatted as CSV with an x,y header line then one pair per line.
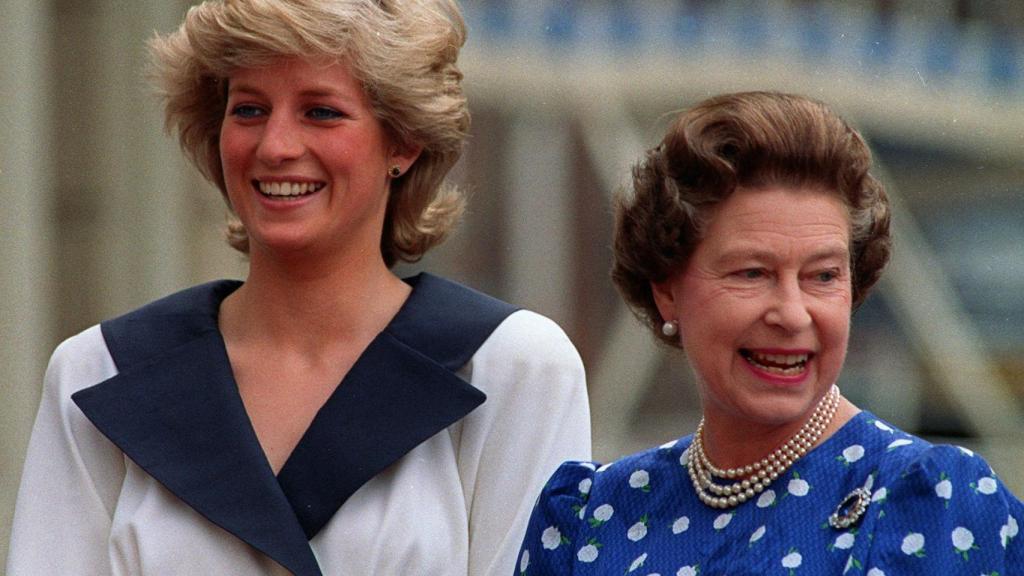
x,y
246,111
827,276
323,113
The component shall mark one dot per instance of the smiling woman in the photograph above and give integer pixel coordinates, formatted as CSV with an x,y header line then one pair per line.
x,y
749,236
306,162
324,417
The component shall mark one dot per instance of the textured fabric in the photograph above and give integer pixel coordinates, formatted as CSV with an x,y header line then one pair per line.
x,y
933,510
455,504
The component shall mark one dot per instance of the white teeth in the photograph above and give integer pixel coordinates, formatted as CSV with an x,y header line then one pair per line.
x,y
789,359
785,364
289,189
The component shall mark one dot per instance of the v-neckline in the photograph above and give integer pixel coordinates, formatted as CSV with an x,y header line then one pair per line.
x,y
174,409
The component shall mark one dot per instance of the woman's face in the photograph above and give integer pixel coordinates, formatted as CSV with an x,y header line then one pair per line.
x,y
763,305
305,160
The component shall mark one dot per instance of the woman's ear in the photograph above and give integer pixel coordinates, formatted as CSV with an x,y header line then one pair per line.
x,y
404,155
664,298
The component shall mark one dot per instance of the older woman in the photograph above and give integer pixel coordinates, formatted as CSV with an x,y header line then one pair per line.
x,y
751,234
324,416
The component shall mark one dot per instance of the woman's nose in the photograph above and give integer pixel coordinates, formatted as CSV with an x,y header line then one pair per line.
x,y
280,141
788,309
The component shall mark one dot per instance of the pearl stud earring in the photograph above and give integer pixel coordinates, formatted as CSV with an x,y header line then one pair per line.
x,y
670,328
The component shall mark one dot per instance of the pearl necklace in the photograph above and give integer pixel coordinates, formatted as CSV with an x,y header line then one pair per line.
x,y
759,475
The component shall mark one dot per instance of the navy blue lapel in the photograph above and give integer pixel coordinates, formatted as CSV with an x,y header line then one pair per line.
x,y
174,409
402,391
180,418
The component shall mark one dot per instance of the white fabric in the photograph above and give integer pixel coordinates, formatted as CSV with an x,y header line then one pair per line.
x,y
455,505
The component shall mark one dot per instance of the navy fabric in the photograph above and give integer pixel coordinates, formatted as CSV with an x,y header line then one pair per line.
x,y
174,409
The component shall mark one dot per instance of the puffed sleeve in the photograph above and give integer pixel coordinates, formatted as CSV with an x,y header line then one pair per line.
x,y
72,474
946,513
555,525
536,416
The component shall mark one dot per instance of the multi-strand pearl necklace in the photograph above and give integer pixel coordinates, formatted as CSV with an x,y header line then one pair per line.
x,y
757,476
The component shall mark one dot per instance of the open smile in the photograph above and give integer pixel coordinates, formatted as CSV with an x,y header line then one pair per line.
x,y
778,364
287,190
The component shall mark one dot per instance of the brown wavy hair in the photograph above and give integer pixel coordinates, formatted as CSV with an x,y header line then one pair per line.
x,y
750,140
403,51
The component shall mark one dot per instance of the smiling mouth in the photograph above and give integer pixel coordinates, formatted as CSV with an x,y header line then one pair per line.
x,y
779,364
287,190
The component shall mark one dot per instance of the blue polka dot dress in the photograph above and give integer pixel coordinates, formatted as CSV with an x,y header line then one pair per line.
x,y
930,510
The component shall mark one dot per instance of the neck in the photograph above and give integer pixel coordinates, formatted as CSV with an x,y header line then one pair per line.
x,y
312,305
745,481
731,445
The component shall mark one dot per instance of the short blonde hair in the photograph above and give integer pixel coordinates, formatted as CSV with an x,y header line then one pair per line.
x,y
751,140
403,51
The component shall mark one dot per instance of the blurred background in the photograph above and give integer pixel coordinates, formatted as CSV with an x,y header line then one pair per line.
x,y
100,214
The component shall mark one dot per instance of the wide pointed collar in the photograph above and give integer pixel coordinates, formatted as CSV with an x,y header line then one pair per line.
x,y
174,409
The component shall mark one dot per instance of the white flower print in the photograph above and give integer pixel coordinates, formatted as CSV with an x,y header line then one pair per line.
x,y
668,445
688,571
849,564
640,480
757,535
637,532
551,538
844,541
798,487
638,562
588,553
913,544
963,538
601,515
882,426
986,485
963,541
589,465
898,443
604,512
880,494
869,483
875,572
792,560
605,467
684,457
682,524
766,499
583,512
853,453
524,561
1008,531
584,485
722,521
944,488
966,451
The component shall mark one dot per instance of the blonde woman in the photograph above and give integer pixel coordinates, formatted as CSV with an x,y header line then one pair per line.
x,y
324,416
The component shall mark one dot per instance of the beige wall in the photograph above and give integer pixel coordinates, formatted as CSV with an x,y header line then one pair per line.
x,y
26,196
